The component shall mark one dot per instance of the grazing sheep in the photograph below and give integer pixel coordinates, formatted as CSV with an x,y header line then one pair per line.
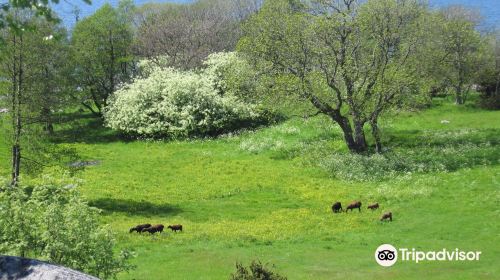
x,y
337,207
154,229
139,228
175,227
353,205
373,206
386,216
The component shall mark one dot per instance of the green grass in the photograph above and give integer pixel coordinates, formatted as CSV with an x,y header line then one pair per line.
x,y
256,196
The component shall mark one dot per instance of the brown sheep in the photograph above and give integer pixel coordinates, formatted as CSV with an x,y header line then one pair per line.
x,y
337,207
353,205
386,216
175,227
373,206
139,228
154,229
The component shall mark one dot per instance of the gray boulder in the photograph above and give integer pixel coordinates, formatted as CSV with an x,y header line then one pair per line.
x,y
13,268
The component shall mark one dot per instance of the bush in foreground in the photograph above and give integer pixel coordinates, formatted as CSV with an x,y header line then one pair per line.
x,y
55,224
256,271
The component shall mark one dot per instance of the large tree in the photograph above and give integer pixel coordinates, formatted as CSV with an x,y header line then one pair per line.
x,y
488,77
350,60
48,47
188,33
100,52
18,19
30,63
461,50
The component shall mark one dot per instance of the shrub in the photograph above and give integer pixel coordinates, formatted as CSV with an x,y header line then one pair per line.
x,y
256,271
489,89
55,224
173,103
491,102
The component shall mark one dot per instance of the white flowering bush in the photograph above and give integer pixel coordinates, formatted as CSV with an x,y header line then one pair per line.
x,y
173,103
232,75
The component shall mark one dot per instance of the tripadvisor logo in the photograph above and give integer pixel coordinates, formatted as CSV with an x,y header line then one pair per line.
x,y
387,255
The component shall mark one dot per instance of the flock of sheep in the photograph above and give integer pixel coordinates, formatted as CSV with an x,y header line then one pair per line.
x,y
337,208
154,229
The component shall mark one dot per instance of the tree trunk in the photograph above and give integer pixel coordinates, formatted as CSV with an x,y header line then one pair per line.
x,y
94,112
459,94
16,148
47,121
376,135
459,97
359,136
17,89
97,103
16,164
46,112
355,140
497,87
497,68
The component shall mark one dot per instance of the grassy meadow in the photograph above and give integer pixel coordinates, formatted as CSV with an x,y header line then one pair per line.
x,y
260,195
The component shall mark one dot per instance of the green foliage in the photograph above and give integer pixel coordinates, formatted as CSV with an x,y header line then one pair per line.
x,y
232,75
173,103
456,51
256,271
489,87
488,77
33,71
101,57
55,224
351,60
39,8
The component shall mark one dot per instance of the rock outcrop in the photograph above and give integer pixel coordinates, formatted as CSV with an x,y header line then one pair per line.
x,y
13,268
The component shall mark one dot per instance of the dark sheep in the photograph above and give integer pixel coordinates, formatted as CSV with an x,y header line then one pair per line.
x,y
386,216
154,229
139,228
373,206
353,205
337,207
175,227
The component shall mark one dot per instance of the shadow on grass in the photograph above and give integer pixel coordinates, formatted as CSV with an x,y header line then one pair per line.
x,y
84,128
450,149
413,151
445,138
78,127
134,208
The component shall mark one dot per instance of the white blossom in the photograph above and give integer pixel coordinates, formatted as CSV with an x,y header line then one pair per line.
x,y
169,102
